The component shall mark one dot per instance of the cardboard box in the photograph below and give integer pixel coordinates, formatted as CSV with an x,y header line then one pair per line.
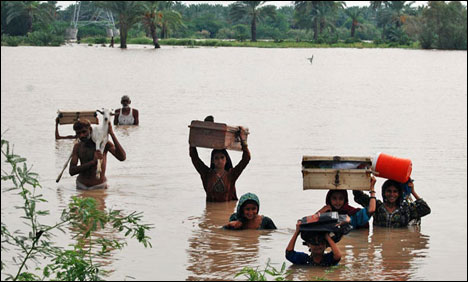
x,y
214,135
336,173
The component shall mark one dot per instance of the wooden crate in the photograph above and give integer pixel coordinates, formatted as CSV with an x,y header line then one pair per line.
x,y
69,117
214,135
336,173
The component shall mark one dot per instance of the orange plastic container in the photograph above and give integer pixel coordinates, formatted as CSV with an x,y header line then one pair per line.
x,y
390,167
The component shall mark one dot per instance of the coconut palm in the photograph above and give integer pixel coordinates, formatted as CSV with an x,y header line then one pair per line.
x,y
355,15
398,11
128,13
254,11
151,17
316,15
31,10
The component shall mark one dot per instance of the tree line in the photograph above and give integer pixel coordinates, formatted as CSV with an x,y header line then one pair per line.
x,y
439,24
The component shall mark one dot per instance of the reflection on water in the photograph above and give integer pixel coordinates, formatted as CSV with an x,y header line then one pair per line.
x,y
92,243
384,254
350,102
218,254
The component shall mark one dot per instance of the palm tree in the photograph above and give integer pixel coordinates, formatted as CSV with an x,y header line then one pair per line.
x,y
355,14
166,17
150,19
316,15
128,13
397,10
254,11
389,12
32,10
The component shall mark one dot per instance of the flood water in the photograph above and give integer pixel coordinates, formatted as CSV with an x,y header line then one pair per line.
x,y
349,102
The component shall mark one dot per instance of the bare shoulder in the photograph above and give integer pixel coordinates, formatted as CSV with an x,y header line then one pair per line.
x,y
75,147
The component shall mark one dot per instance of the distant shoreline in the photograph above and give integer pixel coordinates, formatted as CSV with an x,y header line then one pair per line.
x,y
92,41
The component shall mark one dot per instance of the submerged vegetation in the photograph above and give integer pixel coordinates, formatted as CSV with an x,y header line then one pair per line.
x,y
439,24
261,275
254,274
31,253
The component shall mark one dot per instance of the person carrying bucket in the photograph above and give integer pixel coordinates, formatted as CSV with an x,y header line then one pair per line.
x,y
395,210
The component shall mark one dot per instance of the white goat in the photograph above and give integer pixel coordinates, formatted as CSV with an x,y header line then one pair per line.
x,y
100,136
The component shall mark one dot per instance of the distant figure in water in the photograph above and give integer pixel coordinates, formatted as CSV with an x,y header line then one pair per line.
x,y
126,115
220,177
311,59
247,217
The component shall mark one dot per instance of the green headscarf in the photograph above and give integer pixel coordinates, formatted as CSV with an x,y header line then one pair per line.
x,y
246,197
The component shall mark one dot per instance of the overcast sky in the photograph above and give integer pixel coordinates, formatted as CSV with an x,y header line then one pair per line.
x,y
65,4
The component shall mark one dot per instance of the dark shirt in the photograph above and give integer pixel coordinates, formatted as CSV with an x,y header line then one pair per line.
x,y
401,217
305,259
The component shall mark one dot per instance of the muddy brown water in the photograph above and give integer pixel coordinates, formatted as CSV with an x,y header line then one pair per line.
x,y
349,102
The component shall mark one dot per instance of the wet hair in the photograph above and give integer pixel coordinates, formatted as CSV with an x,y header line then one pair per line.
x,y
397,185
313,237
228,165
331,192
346,208
125,97
80,124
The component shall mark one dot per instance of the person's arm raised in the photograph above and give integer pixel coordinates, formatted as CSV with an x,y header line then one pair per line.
x,y
57,135
136,117
334,247
116,117
116,149
292,242
373,200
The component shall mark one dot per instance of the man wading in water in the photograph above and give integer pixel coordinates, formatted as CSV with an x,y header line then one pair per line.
x,y
126,115
88,155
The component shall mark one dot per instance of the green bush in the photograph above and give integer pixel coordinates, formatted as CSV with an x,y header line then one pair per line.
x,y
11,40
92,30
100,40
43,38
378,41
140,40
351,40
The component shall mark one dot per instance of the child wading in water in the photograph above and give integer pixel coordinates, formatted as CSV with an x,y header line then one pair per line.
x,y
337,200
219,179
317,243
395,211
247,216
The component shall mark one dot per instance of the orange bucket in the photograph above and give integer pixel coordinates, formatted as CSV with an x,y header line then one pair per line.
x,y
390,167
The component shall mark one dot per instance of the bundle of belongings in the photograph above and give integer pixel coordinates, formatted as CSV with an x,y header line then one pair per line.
x,y
319,224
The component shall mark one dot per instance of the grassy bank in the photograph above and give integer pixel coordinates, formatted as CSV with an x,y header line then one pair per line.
x,y
12,41
281,44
